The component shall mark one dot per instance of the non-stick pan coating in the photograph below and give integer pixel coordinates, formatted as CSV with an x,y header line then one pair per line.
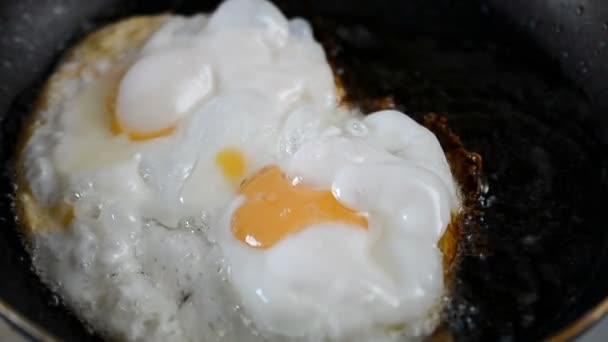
x,y
523,84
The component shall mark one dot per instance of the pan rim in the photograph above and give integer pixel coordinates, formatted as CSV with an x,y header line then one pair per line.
x,y
33,331
583,323
22,325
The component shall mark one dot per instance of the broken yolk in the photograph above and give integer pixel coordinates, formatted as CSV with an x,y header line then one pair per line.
x,y
116,127
275,207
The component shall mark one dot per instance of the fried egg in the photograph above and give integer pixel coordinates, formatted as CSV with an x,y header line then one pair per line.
x,y
195,179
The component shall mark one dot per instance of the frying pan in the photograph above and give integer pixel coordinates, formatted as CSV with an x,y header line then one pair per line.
x,y
523,82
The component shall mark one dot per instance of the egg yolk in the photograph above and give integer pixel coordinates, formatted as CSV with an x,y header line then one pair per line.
x,y
275,207
117,128
137,135
232,163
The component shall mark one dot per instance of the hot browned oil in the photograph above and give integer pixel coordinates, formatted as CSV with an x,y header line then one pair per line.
x,y
525,247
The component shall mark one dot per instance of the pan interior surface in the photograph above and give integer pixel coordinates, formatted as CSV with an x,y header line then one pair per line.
x,y
535,262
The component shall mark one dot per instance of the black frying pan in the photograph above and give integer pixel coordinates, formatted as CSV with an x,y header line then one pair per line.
x,y
523,82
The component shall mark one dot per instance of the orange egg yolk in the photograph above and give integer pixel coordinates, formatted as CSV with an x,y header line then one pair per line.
x,y
275,207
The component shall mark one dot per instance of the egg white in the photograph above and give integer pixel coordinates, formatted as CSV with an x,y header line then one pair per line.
x,y
149,253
